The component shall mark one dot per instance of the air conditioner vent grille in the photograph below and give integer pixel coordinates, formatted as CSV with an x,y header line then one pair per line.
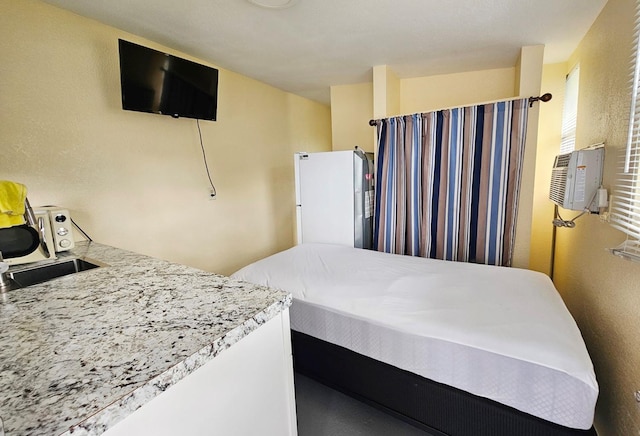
x,y
562,161
558,185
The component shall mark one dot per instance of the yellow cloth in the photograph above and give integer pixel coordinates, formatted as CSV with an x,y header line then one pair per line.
x,y
12,200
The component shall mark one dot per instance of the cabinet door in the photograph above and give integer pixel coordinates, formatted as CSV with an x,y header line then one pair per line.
x,y
246,390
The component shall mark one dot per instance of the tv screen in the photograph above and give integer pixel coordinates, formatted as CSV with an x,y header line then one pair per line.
x,y
159,83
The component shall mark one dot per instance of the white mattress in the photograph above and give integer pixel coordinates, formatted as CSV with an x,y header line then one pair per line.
x,y
500,333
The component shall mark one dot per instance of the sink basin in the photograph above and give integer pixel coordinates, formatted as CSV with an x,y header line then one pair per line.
x,y
31,276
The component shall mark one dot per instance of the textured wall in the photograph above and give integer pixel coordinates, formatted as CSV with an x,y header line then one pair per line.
x,y
352,106
549,130
603,291
351,110
137,180
424,94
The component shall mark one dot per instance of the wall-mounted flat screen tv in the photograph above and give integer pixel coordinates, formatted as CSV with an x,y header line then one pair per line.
x,y
159,83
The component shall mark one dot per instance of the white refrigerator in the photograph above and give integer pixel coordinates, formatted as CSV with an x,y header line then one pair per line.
x,y
334,197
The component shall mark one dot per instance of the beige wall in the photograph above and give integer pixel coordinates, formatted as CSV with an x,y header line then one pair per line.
x,y
352,106
603,291
386,92
549,132
528,83
424,94
136,180
351,110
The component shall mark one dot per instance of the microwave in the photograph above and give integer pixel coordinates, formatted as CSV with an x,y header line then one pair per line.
x,y
54,228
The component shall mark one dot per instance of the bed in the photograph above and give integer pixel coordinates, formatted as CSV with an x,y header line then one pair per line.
x,y
455,348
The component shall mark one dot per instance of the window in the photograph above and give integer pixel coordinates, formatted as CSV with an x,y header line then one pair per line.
x,y
570,111
625,211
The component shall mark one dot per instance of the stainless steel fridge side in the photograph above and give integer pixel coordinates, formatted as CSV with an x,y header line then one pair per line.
x,y
362,196
369,199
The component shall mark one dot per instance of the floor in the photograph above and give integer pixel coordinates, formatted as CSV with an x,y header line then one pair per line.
x,y
323,411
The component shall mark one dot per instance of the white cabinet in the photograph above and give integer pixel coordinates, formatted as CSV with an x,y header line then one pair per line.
x,y
245,390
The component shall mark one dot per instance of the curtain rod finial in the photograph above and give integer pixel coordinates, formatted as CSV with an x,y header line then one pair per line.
x,y
546,97
543,98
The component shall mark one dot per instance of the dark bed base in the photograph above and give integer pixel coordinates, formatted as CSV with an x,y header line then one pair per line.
x,y
437,408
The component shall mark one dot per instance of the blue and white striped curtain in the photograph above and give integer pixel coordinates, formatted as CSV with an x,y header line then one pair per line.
x,y
447,182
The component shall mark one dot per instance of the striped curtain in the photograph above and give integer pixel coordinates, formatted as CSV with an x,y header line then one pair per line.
x,y
447,182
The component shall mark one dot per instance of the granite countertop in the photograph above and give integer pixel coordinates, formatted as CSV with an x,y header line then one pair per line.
x,y
83,351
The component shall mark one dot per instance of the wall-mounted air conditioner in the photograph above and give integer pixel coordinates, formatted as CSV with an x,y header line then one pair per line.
x,y
575,179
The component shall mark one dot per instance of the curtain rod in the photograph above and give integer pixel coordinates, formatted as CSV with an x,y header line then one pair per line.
x,y
543,98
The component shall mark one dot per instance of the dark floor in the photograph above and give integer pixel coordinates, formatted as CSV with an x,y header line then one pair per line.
x,y
323,411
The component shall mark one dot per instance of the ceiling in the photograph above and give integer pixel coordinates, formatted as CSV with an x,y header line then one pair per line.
x,y
315,44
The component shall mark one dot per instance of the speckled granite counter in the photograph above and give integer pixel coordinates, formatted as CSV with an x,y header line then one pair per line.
x,y
81,352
